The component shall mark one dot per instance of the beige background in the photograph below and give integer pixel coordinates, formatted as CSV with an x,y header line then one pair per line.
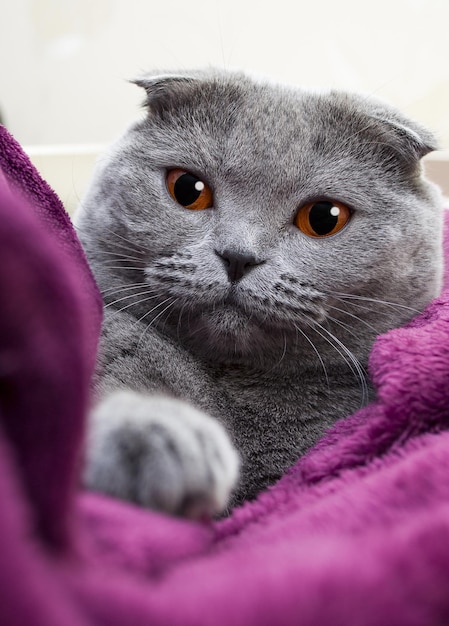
x,y
64,63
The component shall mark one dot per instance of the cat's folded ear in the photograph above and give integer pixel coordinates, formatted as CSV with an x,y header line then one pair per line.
x,y
409,139
165,90
405,138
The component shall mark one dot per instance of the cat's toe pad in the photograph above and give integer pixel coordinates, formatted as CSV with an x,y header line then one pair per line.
x,y
161,453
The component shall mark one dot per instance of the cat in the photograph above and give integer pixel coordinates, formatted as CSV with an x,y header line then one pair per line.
x,y
250,241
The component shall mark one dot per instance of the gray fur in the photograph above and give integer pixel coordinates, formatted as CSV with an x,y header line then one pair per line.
x,y
279,355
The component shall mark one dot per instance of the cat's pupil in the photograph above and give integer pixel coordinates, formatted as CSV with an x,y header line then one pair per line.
x,y
188,189
323,217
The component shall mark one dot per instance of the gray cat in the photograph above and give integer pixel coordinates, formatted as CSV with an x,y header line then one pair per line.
x,y
250,242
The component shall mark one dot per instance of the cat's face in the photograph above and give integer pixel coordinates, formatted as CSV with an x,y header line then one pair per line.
x,y
253,220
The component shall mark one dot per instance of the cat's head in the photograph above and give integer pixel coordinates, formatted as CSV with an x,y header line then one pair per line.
x,y
251,220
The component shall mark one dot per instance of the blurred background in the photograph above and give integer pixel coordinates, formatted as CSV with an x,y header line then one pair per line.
x,y
65,63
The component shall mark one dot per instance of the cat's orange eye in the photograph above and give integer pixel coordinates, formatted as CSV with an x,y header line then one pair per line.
x,y
188,190
322,218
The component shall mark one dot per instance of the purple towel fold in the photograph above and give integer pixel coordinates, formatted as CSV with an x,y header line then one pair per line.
x,y
356,533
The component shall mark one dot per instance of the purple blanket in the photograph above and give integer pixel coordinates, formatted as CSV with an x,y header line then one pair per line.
x,y
356,533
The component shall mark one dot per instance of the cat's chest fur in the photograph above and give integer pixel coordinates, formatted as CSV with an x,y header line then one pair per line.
x,y
272,416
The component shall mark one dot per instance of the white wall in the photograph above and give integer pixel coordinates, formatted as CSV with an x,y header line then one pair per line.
x,y
64,62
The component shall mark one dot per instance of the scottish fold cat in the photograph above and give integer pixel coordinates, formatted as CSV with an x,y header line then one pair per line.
x,y
250,241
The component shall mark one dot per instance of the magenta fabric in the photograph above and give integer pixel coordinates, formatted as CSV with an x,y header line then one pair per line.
x,y
356,533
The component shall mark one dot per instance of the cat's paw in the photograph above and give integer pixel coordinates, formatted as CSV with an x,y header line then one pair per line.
x,y
161,453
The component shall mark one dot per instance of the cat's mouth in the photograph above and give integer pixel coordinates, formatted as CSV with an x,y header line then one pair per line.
x,y
233,328
235,321
266,310
232,298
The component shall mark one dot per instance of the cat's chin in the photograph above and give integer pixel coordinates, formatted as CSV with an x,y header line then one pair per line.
x,y
229,334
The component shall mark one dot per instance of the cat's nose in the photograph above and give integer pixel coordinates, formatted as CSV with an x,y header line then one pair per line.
x,y
237,264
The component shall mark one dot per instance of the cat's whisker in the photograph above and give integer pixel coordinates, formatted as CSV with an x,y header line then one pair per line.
x,y
284,352
119,258
350,359
138,302
132,295
178,328
374,311
120,255
132,244
172,302
163,321
349,296
359,306
140,319
167,316
346,327
124,249
356,317
188,320
320,358
285,348
111,290
123,267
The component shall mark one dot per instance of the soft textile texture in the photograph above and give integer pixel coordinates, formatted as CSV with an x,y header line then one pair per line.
x,y
357,532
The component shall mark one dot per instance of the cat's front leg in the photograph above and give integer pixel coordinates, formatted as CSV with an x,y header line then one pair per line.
x,y
161,453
